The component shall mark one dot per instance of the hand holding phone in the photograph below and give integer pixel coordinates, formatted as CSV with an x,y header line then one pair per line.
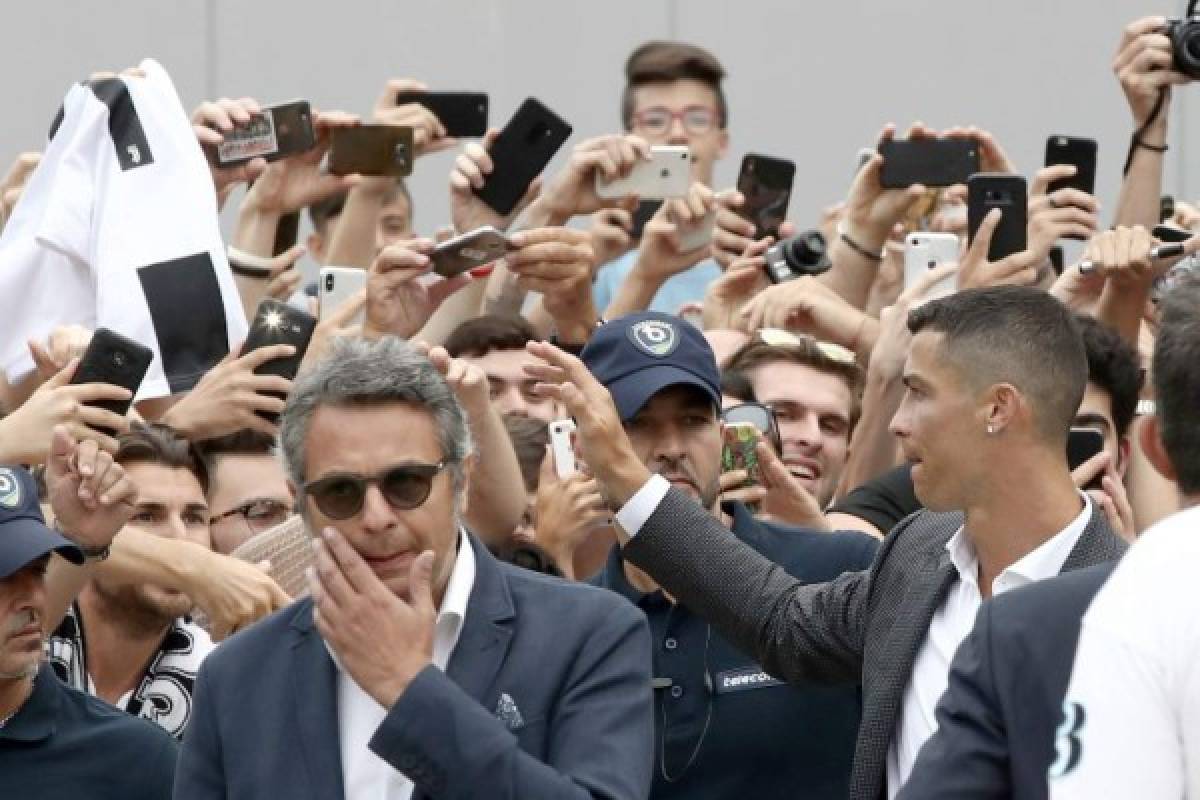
x,y
519,154
993,190
115,360
766,184
274,133
336,285
461,113
372,150
739,453
470,251
1077,152
929,162
563,448
278,323
667,174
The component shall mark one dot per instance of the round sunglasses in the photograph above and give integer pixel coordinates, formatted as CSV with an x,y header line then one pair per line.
x,y
405,487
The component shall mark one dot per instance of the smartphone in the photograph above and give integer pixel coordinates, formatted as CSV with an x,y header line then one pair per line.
x,y
468,251
699,234
274,133
372,150
766,183
1082,445
562,448
668,173
336,285
924,251
276,322
738,452
114,359
1171,234
930,162
287,233
641,215
520,153
461,113
988,190
1081,154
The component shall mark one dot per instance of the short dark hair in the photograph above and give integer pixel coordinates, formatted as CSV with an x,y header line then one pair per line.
x,y
1114,367
806,352
1177,382
1017,335
246,442
477,337
664,62
530,438
736,384
152,443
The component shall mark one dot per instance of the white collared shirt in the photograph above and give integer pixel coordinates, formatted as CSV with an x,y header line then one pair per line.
x,y
366,776
951,624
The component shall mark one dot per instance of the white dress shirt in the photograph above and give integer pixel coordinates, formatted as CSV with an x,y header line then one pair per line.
x,y
950,625
366,776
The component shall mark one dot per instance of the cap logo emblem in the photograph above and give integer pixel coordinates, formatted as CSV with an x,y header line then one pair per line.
x,y
10,489
654,337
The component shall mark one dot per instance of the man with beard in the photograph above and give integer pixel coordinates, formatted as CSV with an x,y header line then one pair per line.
x,y
132,644
724,727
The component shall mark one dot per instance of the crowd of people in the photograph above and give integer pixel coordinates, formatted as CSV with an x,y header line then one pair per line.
x,y
504,534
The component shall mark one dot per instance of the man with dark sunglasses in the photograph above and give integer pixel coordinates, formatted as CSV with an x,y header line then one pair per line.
x,y
724,727
420,666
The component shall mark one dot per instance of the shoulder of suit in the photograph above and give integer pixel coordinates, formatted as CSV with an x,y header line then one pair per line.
x,y
535,592
267,636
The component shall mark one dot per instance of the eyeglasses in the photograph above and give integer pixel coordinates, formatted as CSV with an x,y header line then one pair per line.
x,y
405,487
762,417
261,514
777,337
656,121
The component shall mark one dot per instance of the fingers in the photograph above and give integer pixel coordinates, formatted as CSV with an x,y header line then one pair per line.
x,y
257,357
1089,470
410,255
334,571
420,584
982,242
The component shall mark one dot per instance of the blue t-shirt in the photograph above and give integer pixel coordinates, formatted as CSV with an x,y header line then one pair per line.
x,y
686,287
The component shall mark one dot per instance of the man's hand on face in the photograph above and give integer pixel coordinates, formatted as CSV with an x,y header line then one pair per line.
x,y
91,495
733,234
211,120
573,191
383,642
399,299
471,170
230,395
429,134
662,254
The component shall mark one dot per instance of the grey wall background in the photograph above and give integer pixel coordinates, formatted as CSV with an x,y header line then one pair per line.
x,y
809,81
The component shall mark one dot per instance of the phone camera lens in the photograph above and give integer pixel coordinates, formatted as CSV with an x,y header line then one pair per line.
x,y
329,283
118,359
932,263
665,173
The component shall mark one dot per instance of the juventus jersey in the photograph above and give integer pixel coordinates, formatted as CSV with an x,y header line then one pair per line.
x,y
164,694
118,228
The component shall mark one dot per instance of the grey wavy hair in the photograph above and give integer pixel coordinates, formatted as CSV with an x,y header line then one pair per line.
x,y
357,372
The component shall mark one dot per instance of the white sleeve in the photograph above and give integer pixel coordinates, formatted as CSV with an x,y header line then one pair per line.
x,y
645,501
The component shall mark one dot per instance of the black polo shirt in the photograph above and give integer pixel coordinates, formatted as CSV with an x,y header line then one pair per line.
x,y
745,734
65,744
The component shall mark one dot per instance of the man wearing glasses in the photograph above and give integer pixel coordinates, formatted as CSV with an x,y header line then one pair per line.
x,y
420,666
247,489
724,728
673,96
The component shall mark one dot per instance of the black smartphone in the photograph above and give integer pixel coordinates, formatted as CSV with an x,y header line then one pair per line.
x,y
929,162
1079,153
520,153
287,233
641,215
469,251
277,132
766,184
117,360
1171,234
278,323
1084,444
988,190
372,150
462,113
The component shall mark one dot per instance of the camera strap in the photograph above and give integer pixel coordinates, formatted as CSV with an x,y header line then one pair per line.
x,y
1136,140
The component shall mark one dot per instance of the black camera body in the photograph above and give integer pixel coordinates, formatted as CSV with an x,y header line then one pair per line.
x,y
803,254
1184,34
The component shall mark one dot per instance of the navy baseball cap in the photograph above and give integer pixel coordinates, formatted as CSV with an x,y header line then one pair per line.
x,y
24,536
639,355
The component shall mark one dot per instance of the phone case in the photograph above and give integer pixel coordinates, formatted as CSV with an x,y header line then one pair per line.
x,y
560,445
668,173
930,162
1081,153
988,190
462,113
279,131
698,235
468,251
520,153
278,323
926,251
113,359
766,184
336,285
372,150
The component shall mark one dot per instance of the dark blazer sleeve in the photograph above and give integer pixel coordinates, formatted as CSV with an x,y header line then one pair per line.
x,y
199,774
797,632
968,755
602,726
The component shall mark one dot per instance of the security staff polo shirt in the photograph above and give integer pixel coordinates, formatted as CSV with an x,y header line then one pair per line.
x,y
725,729
64,744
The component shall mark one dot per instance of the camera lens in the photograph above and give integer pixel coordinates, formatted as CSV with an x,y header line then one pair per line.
x,y
329,283
118,359
1185,45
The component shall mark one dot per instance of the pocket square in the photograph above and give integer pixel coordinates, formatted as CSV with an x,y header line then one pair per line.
x,y
508,713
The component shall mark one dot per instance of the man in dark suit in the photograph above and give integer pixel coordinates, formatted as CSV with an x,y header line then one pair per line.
x,y
994,378
421,666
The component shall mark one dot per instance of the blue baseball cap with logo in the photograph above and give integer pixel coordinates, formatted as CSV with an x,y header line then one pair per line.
x,y
639,355
24,537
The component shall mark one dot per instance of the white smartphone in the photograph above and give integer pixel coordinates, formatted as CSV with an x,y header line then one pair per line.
x,y
563,449
924,251
335,285
698,235
667,174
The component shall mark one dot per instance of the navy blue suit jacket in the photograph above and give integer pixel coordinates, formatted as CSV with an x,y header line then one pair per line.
x,y
997,719
574,659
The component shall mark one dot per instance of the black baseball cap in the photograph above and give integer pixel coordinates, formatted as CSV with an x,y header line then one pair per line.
x,y
639,355
24,536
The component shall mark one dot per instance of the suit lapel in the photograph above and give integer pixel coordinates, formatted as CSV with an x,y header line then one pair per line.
x,y
487,630
314,701
1096,545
